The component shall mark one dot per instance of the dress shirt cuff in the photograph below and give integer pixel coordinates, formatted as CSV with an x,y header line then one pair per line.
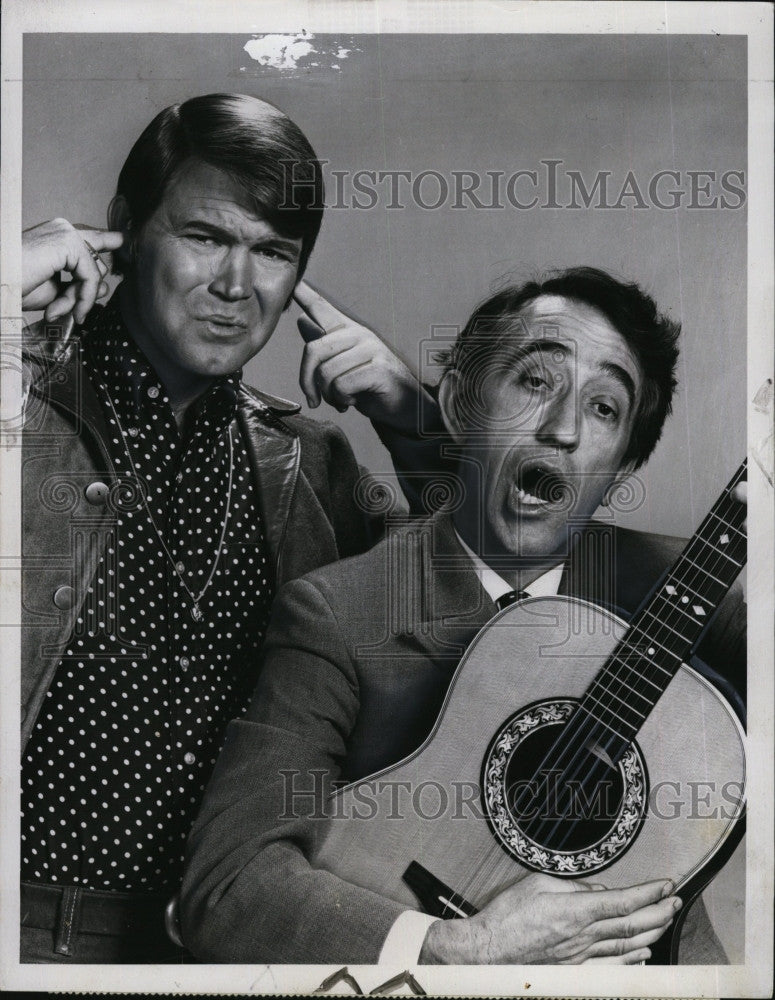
x,y
405,939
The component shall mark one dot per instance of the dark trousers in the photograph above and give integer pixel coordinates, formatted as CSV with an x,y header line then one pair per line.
x,y
71,924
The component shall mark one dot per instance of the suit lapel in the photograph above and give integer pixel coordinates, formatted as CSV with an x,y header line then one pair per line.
x,y
289,507
454,603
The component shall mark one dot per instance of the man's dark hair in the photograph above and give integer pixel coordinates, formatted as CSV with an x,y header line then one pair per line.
x,y
651,336
253,142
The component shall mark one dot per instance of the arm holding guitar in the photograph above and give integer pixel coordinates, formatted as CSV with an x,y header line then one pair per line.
x,y
250,893
542,920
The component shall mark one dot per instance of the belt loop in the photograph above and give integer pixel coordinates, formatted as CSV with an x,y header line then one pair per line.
x,y
68,921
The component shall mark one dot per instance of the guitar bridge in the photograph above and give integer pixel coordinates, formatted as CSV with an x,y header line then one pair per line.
x,y
436,898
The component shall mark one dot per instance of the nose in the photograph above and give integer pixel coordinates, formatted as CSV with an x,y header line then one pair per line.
x,y
558,422
233,278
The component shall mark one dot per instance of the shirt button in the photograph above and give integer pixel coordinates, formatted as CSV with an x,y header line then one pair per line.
x,y
153,391
189,758
64,598
179,477
133,432
180,567
184,662
97,494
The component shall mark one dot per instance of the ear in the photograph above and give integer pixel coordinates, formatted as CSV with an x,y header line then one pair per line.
x,y
449,389
120,221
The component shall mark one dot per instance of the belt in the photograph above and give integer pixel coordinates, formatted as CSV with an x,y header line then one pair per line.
x,y
70,910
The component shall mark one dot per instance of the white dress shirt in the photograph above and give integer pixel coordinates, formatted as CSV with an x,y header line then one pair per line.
x,y
405,939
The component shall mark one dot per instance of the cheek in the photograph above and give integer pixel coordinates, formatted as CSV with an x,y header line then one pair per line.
x,y
275,287
169,275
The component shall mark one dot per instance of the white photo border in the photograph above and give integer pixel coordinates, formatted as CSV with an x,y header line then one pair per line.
x,y
752,19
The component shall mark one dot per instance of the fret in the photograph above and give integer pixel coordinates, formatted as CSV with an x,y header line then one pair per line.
x,y
709,610
626,704
637,672
650,645
685,558
685,586
654,642
729,528
718,551
641,666
607,725
614,713
663,624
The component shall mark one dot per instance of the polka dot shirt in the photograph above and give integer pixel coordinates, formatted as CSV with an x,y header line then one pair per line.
x,y
132,724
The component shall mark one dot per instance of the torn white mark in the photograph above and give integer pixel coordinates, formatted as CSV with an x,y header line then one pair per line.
x,y
293,52
763,452
763,398
280,51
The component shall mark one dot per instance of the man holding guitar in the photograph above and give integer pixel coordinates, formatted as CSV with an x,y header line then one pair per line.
x,y
553,394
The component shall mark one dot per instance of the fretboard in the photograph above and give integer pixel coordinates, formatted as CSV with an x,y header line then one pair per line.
x,y
671,621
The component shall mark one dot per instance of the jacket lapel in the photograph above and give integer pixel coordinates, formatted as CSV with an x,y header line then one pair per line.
x,y
289,506
274,457
61,382
455,605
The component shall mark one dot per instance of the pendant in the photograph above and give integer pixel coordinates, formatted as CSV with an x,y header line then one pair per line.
x,y
196,613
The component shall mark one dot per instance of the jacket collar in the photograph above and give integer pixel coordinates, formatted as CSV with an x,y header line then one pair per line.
x,y
274,452
273,447
456,604
455,600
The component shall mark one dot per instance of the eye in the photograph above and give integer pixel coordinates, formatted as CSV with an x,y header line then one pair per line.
x,y
272,253
604,410
202,240
534,380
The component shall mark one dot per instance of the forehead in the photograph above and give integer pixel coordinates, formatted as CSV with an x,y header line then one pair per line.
x,y
199,190
592,340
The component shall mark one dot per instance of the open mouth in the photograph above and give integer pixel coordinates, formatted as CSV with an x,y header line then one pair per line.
x,y
539,486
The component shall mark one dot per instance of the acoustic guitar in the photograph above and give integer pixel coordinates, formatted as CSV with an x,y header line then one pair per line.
x,y
570,743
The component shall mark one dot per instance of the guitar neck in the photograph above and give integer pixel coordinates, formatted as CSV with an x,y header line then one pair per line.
x,y
669,625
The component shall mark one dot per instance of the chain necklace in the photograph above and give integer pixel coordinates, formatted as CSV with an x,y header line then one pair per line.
x,y
196,612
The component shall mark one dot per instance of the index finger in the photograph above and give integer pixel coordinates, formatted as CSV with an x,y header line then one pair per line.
x,y
101,239
621,902
318,308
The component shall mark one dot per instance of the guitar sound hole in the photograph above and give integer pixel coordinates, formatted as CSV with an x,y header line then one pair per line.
x,y
561,811
551,802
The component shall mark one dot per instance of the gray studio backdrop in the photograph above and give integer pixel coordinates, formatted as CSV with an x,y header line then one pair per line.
x,y
615,110
630,106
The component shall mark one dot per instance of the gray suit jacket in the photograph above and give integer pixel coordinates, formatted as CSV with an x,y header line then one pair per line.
x,y
358,659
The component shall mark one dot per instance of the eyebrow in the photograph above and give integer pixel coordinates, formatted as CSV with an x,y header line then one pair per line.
x,y
622,376
271,239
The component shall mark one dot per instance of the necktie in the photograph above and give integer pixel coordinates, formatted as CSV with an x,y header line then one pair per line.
x,y
511,597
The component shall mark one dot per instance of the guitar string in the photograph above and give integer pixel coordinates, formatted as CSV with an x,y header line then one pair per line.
x,y
581,757
590,723
683,639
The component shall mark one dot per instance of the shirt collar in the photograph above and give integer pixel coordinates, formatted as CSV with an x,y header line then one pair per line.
x,y
130,378
545,585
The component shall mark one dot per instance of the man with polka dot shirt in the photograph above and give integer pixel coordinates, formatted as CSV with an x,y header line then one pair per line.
x,y
165,502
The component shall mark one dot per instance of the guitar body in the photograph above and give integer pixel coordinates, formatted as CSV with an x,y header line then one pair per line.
x,y
677,796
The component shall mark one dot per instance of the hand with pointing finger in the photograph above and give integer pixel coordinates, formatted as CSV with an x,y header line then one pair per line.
x,y
55,248
347,364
